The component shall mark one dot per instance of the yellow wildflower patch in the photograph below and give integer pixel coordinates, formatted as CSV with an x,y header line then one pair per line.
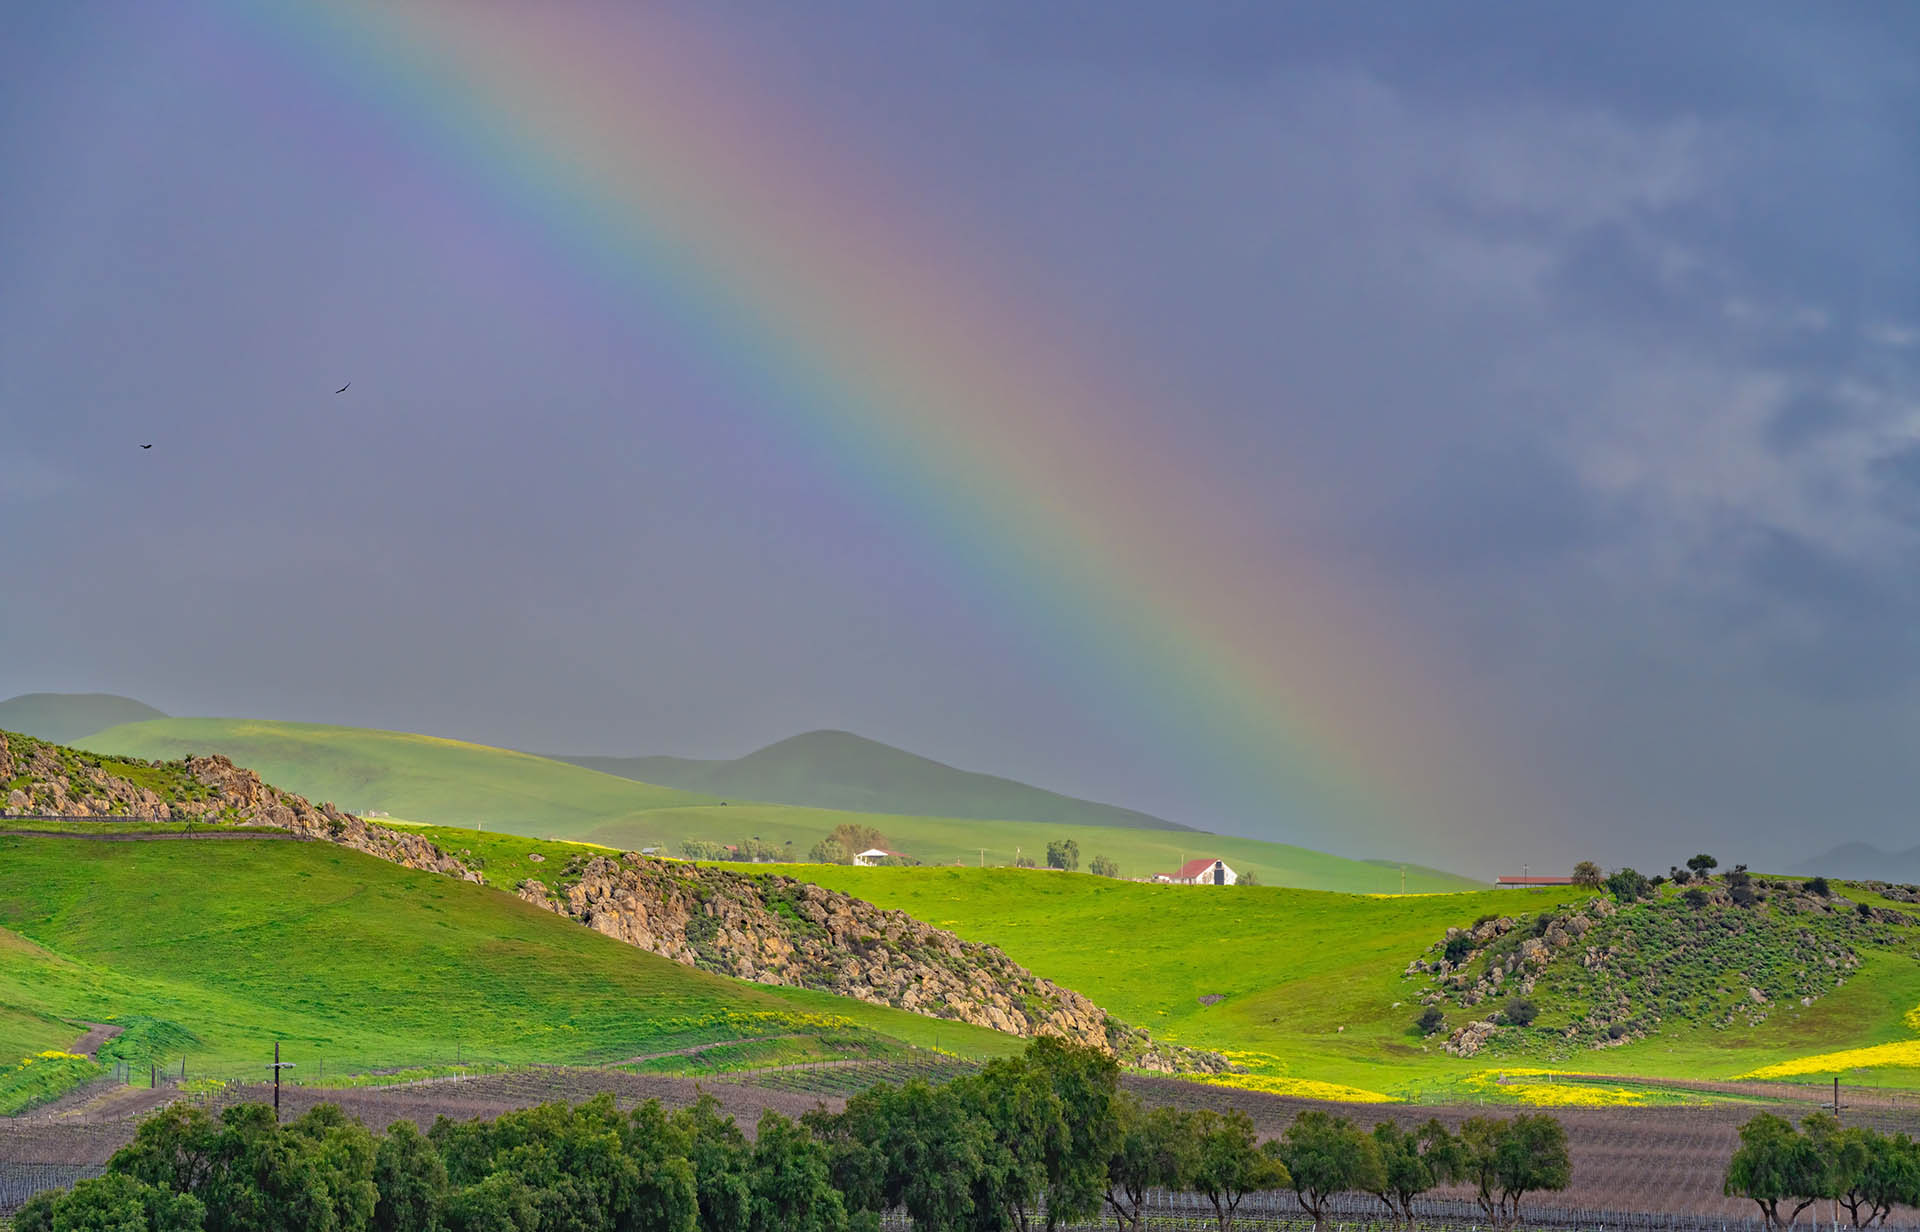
x,y
1553,1094
1904,1053
1304,1088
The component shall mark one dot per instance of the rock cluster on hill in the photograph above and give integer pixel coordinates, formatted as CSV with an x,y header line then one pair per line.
x,y
776,930
49,780
1600,973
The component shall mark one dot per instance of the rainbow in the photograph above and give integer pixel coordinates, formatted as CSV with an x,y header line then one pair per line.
x,y
656,175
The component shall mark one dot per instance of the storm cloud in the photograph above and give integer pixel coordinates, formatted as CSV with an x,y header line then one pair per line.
x,y
1589,338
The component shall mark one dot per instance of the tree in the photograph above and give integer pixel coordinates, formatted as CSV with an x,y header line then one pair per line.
x,y
701,849
856,837
1412,1161
111,1203
1506,1160
1776,1165
719,1154
1247,879
915,1146
1086,1087
411,1180
1156,1149
829,851
1628,885
1228,1163
1521,1011
789,1179
1327,1155
1703,865
498,1202
342,1153
1063,853
1587,873
1100,866
1431,1019
1890,1178
1021,1130
253,1175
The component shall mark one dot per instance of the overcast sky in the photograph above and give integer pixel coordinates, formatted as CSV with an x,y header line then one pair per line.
x,y
1589,334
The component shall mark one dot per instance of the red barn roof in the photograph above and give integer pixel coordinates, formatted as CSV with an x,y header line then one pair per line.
x,y
1193,868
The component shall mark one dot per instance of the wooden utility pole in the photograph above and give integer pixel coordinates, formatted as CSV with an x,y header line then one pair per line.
x,y
278,1065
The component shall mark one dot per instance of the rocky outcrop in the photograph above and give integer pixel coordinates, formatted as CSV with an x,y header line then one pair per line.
x,y
50,780
776,930
1601,974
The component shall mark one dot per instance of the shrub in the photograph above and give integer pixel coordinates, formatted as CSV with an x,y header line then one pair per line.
x,y
1522,1011
1697,897
1430,1020
1458,948
1587,873
1819,886
1628,886
1680,876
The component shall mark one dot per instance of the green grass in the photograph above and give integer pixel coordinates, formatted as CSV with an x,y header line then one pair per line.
x,y
1308,981
216,950
421,777
449,783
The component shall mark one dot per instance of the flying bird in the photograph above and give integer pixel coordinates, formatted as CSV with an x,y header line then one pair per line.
x,y
343,388
146,447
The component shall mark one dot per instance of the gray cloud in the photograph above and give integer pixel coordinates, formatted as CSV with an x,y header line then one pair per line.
x,y
1582,340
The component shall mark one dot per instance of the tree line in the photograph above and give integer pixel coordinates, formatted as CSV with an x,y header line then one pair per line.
x,y
1785,1169
1042,1139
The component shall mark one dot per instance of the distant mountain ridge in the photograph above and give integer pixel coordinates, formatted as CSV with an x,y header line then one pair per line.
x,y
65,717
1864,862
841,770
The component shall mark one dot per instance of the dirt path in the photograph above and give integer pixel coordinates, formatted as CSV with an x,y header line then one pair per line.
x,y
97,1034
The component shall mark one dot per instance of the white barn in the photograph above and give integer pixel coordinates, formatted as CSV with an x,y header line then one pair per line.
x,y
1205,871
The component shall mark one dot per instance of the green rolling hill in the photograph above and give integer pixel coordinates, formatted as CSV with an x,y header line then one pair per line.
x,y
1307,988
65,717
839,770
213,950
419,777
447,782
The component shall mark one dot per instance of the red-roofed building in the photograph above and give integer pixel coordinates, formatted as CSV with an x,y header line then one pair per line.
x,y
1521,883
1204,871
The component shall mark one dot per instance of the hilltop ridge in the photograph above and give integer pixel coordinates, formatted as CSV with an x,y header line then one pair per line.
x,y
65,717
841,770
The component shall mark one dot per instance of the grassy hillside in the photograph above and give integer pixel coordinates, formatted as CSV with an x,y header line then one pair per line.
x,y
216,949
839,770
1308,988
419,777
447,782
947,840
65,717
